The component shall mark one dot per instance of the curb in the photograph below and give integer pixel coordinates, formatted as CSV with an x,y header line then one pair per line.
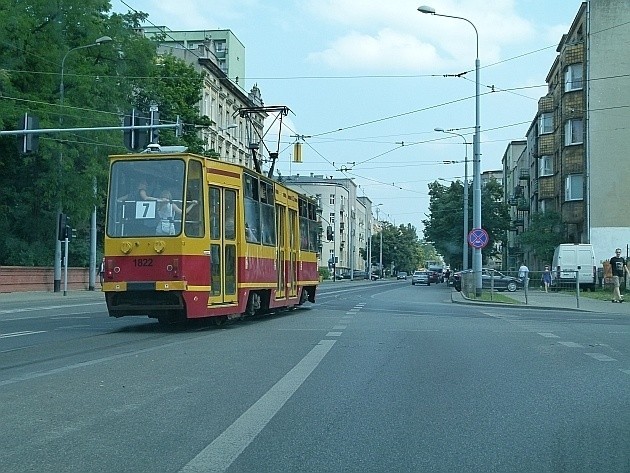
x,y
466,300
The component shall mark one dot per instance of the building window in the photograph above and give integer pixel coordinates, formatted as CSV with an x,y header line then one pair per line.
x,y
332,199
545,123
545,166
331,218
573,132
575,187
573,77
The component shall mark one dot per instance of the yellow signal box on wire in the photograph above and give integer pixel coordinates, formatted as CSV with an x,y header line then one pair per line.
x,y
297,152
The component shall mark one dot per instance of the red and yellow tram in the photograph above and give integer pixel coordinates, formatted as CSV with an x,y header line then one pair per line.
x,y
192,237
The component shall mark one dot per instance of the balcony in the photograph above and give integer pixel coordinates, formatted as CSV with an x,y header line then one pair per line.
x,y
518,222
524,175
512,201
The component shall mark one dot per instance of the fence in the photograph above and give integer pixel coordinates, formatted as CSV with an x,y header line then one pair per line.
x,y
25,279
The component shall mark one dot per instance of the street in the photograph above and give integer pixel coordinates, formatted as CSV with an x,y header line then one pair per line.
x,y
376,376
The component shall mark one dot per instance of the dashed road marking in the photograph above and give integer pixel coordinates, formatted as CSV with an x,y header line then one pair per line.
x,y
600,357
334,334
548,335
571,344
20,334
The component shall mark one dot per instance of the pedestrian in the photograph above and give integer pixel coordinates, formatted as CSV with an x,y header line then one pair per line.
x,y
102,272
546,278
619,270
523,273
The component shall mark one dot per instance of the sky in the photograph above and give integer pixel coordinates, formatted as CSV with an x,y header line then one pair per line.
x,y
368,81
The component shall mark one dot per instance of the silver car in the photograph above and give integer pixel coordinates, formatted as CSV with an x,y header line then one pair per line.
x,y
421,277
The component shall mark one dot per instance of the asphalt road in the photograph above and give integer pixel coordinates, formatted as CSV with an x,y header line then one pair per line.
x,y
376,376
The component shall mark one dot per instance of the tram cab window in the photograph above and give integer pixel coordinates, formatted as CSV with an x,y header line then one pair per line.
x,y
135,190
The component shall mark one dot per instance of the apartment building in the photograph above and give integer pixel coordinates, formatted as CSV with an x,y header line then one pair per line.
x,y
221,56
575,160
349,216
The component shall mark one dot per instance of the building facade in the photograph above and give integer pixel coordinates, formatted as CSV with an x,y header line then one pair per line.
x,y
349,216
575,160
221,56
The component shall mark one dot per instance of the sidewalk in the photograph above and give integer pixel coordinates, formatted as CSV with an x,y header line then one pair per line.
x,y
537,299
34,296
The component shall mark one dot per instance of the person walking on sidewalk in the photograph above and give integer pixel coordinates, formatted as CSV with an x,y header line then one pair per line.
x,y
546,278
619,270
523,273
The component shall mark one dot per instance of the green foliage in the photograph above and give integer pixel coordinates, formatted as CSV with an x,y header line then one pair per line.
x,y
99,83
545,233
445,225
400,247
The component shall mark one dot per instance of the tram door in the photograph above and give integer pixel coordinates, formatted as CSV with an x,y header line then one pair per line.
x,y
281,255
294,247
222,218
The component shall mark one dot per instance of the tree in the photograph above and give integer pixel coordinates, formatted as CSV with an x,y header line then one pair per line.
x,y
544,234
100,84
401,247
444,226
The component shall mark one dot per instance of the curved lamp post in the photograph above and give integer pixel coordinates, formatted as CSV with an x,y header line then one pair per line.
x,y
57,263
465,242
476,263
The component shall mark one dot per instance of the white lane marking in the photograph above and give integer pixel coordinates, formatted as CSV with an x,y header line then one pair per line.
x,y
625,371
600,357
334,334
548,335
20,334
221,453
571,344
83,364
340,327
32,309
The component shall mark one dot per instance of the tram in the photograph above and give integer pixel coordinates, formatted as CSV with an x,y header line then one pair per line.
x,y
190,237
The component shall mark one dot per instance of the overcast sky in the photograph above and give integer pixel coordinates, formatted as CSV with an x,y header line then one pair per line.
x,y
366,80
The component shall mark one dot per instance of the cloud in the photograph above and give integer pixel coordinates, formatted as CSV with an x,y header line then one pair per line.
x,y
394,34
387,50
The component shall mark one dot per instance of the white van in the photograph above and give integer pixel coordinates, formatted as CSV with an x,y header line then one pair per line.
x,y
571,257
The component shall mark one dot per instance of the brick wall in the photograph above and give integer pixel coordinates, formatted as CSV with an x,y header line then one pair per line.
x,y
22,279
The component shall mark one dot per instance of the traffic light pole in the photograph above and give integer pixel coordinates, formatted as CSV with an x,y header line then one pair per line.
x,y
65,267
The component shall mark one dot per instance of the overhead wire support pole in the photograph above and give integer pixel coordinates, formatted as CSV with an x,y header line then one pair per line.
x,y
477,256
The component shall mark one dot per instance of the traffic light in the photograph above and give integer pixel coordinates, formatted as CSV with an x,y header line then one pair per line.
x,y
155,132
65,228
135,140
28,142
330,236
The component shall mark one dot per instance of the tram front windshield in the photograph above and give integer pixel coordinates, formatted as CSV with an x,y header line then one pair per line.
x,y
146,198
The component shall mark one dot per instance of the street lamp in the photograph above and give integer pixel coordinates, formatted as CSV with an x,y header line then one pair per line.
x,y
57,263
380,258
465,242
476,263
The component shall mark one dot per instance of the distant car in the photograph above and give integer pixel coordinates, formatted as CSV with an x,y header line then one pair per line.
x,y
401,275
491,279
374,276
421,277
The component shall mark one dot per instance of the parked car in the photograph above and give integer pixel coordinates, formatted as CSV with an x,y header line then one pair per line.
x,y
421,277
374,276
490,278
401,275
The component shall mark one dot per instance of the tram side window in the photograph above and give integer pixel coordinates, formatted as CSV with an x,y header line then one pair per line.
x,y
304,233
314,228
267,214
215,213
252,210
194,225
230,215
